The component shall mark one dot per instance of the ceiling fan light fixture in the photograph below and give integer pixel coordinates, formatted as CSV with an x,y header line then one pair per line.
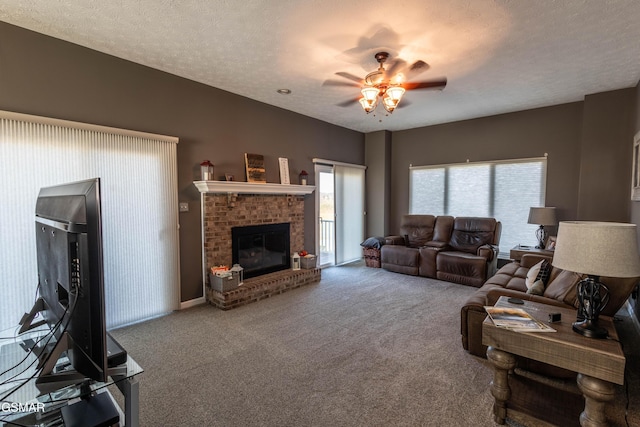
x,y
368,106
389,104
370,93
392,98
395,93
385,86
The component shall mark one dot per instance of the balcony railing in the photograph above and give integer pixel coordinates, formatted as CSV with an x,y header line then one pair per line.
x,y
327,240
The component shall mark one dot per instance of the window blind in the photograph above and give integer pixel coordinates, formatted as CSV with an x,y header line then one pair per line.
x,y
504,190
349,193
138,175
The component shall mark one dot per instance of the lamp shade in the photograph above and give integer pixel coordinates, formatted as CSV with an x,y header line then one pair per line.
x,y
542,216
607,249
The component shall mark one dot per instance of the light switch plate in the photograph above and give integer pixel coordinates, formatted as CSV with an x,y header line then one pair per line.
x,y
184,206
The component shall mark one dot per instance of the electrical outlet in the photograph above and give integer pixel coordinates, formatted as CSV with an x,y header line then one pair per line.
x,y
184,207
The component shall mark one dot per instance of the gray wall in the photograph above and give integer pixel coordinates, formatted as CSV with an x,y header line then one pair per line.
x,y
48,77
378,182
605,156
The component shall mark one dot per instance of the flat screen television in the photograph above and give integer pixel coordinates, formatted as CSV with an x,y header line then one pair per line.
x,y
68,222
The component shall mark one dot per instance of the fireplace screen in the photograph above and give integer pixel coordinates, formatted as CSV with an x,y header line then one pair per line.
x,y
261,249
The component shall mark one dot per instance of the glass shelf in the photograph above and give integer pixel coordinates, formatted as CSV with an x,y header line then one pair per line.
x,y
18,366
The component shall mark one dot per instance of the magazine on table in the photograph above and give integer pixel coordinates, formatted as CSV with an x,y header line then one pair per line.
x,y
516,319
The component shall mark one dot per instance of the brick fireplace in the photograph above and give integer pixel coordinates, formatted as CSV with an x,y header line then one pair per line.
x,y
222,212
234,204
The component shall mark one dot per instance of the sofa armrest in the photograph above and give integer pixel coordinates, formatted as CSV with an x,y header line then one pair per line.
x,y
488,252
394,240
494,294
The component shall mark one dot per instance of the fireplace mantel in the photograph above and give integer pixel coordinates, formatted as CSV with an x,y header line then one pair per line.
x,y
239,187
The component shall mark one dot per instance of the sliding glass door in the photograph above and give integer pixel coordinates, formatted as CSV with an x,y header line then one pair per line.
x,y
326,216
340,212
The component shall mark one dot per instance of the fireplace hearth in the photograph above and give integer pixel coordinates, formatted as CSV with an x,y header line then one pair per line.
x,y
261,249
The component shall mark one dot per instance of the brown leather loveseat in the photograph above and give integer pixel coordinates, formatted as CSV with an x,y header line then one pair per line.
x,y
461,250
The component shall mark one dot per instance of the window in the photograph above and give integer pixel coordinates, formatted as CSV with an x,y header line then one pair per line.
x,y
504,190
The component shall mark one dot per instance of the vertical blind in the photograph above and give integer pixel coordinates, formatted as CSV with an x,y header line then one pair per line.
x,y
504,190
349,193
138,175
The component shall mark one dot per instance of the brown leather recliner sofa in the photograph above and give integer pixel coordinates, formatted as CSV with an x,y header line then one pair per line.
x,y
461,250
538,390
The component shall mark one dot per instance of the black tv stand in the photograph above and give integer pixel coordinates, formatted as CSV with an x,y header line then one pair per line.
x,y
27,389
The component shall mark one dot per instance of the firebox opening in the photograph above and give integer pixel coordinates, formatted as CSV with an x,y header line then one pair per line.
x,y
261,249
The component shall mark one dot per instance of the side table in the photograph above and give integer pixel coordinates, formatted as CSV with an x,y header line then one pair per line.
x,y
517,251
599,363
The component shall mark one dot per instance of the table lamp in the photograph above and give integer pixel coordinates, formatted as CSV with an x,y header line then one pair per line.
x,y
596,249
542,216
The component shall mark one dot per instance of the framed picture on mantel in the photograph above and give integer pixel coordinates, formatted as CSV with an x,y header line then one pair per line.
x,y
284,170
255,168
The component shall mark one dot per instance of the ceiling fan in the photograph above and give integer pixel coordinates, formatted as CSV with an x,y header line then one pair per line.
x,y
388,85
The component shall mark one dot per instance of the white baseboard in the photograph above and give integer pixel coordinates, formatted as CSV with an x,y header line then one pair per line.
x,y
192,303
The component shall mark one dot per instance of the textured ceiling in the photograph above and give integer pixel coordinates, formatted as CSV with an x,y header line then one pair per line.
x,y
498,55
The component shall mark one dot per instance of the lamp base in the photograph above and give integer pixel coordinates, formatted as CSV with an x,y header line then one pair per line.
x,y
590,329
541,235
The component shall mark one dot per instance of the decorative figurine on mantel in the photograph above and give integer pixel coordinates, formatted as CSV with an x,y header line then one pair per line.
x,y
206,170
303,177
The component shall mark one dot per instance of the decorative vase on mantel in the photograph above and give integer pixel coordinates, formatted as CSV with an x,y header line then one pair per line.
x,y
206,171
303,177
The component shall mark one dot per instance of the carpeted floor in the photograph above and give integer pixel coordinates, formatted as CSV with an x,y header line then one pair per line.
x,y
364,347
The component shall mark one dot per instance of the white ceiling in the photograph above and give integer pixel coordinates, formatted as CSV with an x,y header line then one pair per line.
x,y
498,55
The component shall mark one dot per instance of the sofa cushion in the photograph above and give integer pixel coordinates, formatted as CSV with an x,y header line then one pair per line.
x,y
442,229
537,288
417,229
510,276
400,259
532,274
461,267
470,233
562,287
545,272
373,242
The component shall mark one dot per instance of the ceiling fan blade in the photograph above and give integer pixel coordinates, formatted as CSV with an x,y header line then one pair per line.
x,y
404,103
431,84
397,66
350,77
417,67
413,70
339,83
348,103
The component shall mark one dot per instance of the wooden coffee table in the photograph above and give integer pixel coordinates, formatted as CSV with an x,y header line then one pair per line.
x,y
599,363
